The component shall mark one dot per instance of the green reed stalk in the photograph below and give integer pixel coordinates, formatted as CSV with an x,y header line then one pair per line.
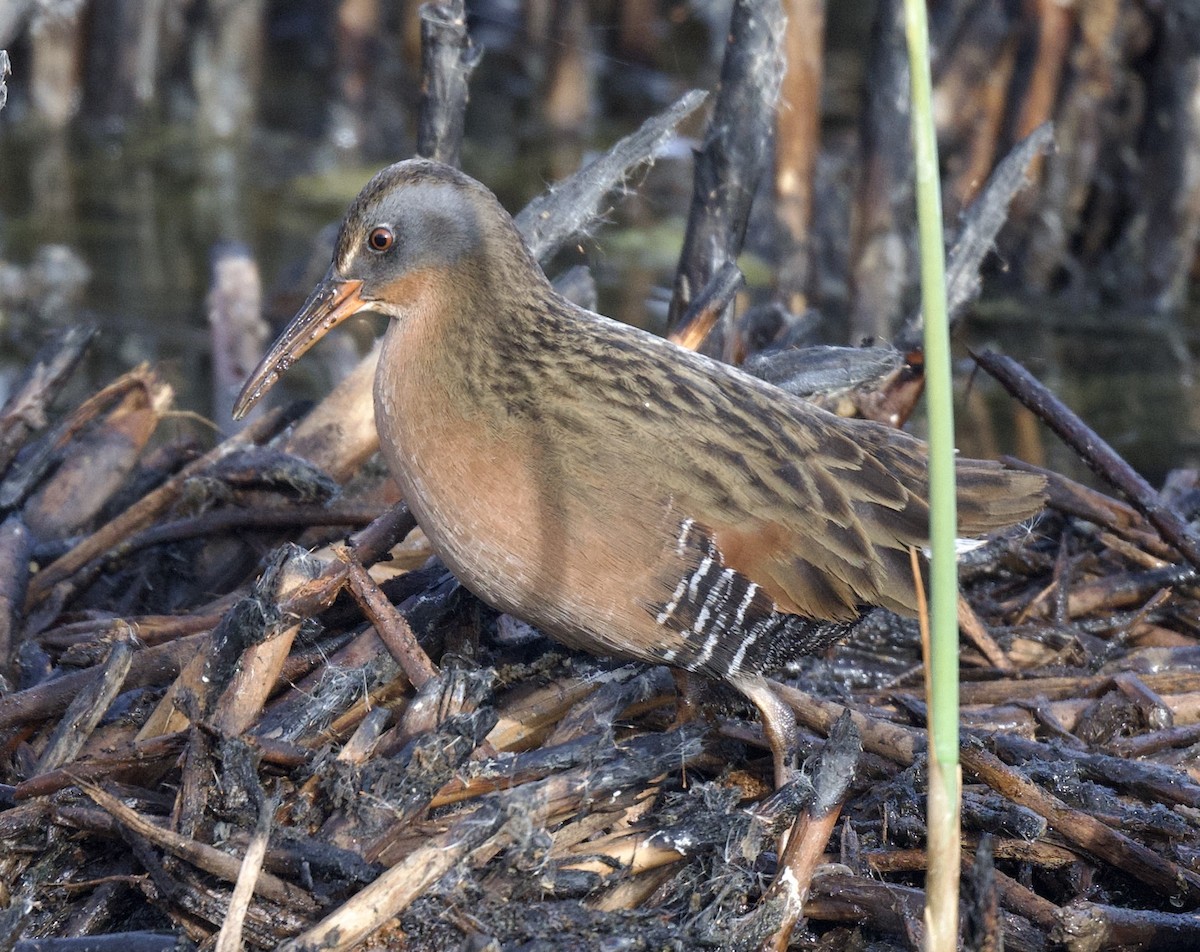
x,y
945,783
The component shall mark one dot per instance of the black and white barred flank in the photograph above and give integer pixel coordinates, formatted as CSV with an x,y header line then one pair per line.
x,y
729,624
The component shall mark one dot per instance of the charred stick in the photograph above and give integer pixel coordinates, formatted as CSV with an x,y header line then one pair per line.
x,y
1001,817
208,858
350,717
982,929
1081,828
402,883
974,629
598,712
449,693
140,753
1102,458
362,743
150,629
1075,499
1066,688
484,830
1091,925
111,942
731,161
569,206
88,706
529,719
278,752
513,770
386,531
835,768
618,856
221,521
1012,895
1036,853
98,460
141,513
150,666
266,637
138,390
1124,590
392,627
891,741
430,762
981,223
1145,745
448,57
1024,901
708,306
895,909
1129,551
16,544
1149,781
229,939
25,410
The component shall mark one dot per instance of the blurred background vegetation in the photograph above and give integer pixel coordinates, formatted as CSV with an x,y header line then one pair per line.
x,y
142,139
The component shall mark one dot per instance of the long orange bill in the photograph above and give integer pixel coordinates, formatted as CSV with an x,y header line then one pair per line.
x,y
331,302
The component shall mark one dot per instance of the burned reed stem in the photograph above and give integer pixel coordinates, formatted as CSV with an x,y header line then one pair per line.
x,y
797,147
448,57
832,774
572,205
392,627
708,306
976,238
1103,460
882,235
16,547
30,399
1080,828
732,159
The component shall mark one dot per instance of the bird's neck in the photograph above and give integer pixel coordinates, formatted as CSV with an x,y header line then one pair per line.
x,y
473,342
457,389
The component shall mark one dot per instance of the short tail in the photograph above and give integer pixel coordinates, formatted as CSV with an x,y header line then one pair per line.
x,y
991,497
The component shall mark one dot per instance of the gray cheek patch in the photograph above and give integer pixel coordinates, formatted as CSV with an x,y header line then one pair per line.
x,y
448,237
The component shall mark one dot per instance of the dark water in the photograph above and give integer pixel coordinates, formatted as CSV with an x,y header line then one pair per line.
x,y
144,210
145,221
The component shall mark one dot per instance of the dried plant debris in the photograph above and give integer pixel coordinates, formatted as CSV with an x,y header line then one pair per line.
x,y
239,709
315,748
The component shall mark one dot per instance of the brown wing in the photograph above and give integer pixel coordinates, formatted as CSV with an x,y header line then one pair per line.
x,y
816,510
837,537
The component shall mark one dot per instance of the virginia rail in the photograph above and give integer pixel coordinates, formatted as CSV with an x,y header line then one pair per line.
x,y
626,496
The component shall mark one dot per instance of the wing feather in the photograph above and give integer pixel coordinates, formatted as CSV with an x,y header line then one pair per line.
x,y
835,537
818,510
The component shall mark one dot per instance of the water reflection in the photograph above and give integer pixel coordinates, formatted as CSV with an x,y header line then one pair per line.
x,y
1130,376
144,210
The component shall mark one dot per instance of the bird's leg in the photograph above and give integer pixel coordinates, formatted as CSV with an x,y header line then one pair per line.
x,y
779,725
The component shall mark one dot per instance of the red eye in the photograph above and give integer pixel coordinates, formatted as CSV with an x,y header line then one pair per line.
x,y
380,239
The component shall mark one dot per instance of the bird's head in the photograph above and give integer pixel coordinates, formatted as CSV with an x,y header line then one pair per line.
x,y
413,230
